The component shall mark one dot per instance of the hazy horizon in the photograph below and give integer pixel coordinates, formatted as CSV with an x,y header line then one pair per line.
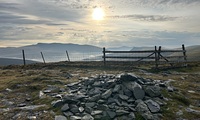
x,y
114,23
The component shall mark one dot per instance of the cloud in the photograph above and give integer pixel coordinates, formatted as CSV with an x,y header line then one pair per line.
x,y
150,18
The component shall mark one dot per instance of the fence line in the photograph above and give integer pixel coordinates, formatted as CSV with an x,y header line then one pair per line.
x,y
151,54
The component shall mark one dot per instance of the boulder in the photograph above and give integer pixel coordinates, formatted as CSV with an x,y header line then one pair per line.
x,y
153,91
153,106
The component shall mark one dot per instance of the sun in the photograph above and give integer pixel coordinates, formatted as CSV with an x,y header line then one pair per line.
x,y
98,14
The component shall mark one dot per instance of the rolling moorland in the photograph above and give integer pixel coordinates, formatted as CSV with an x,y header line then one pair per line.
x,y
26,91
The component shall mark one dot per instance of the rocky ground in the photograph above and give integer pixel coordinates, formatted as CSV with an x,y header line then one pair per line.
x,y
89,91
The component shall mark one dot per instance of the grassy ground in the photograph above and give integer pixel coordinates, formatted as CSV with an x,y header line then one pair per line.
x,y
22,84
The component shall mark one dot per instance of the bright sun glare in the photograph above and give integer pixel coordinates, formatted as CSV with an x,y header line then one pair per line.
x,y
98,14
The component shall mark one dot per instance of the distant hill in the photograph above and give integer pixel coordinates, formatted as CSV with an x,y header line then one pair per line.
x,y
192,52
52,51
7,61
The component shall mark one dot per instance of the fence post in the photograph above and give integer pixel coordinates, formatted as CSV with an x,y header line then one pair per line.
x,y
24,60
43,57
67,56
156,57
104,56
159,51
184,52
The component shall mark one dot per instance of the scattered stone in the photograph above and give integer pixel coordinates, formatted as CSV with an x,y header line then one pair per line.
x,y
75,118
116,88
153,91
111,114
190,110
65,107
60,117
97,112
31,107
179,113
170,89
138,91
8,90
21,105
121,112
153,106
107,94
123,97
191,91
90,104
57,103
131,116
81,109
87,117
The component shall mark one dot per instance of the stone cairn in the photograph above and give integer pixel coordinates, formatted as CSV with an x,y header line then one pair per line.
x,y
112,97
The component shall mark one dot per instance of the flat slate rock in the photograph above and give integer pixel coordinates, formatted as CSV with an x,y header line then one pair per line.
x,y
60,117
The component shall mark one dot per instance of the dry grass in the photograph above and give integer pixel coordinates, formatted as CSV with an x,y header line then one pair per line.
x,y
29,80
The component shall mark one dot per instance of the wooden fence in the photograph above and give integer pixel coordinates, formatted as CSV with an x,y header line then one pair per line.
x,y
155,55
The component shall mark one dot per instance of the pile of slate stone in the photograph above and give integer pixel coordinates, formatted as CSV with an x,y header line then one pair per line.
x,y
112,97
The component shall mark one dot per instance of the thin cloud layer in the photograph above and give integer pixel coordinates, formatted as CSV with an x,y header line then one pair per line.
x,y
127,22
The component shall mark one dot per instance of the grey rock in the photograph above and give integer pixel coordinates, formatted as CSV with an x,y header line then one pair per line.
x,y
116,88
81,109
190,110
179,113
131,116
75,118
102,107
68,114
128,77
138,92
65,107
74,108
111,114
90,104
147,116
95,91
57,103
60,117
170,89
96,112
107,94
121,112
88,110
153,106
87,117
21,105
123,97
127,92
31,107
94,98
142,107
153,91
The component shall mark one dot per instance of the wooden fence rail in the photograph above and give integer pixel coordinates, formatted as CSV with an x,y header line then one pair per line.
x,y
155,55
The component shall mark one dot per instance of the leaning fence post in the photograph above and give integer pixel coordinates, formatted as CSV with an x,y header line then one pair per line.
x,y
184,52
24,60
104,56
43,57
67,56
156,57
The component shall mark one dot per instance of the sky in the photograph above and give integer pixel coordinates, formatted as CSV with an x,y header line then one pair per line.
x,y
169,23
